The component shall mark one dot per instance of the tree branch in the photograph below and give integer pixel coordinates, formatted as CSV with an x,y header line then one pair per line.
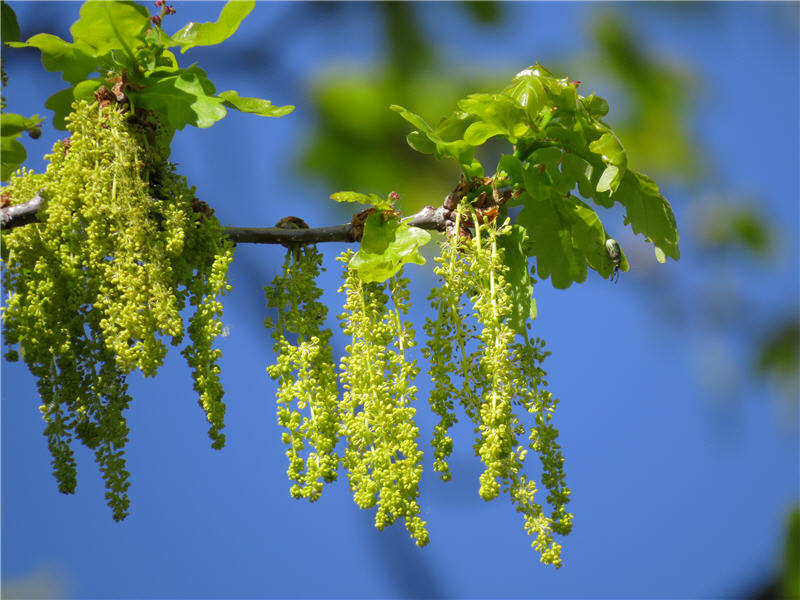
x,y
428,218
20,214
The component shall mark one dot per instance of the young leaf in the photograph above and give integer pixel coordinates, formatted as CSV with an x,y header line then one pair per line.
x,y
549,225
499,113
386,246
209,34
480,131
528,91
420,142
106,26
458,149
73,61
413,118
253,105
580,170
85,89
12,155
369,199
9,27
13,124
511,166
589,236
610,150
648,212
61,105
595,105
518,276
185,98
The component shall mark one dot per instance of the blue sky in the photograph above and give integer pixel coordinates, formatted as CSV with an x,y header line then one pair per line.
x,y
680,485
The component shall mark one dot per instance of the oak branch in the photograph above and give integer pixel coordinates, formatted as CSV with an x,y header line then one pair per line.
x,y
428,218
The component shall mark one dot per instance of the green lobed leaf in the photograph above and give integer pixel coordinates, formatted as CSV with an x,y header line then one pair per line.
x,y
611,151
184,98
257,106
457,149
9,26
589,236
74,62
580,170
386,246
549,224
209,34
106,26
12,155
512,167
452,127
648,213
500,115
420,142
537,183
85,90
61,105
412,118
13,124
518,276
368,199
528,91
595,105
477,133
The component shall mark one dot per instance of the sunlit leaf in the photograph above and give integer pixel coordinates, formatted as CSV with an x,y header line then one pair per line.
x,y
368,199
85,89
105,26
477,133
648,212
412,118
518,277
254,105
13,124
57,55
580,170
499,112
386,246
595,105
549,225
209,34
528,91
12,155
185,98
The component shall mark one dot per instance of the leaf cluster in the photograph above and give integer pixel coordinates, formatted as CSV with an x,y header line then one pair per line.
x,y
560,145
119,46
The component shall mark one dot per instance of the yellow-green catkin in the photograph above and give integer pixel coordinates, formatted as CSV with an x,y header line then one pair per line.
x,y
446,349
382,459
491,369
510,375
306,373
97,284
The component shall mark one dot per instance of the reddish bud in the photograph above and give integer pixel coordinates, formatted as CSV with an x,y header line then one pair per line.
x,y
394,196
156,19
576,83
171,10
159,2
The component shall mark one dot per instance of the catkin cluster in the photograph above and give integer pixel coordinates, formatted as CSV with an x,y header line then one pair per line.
x,y
306,373
382,459
490,373
97,286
